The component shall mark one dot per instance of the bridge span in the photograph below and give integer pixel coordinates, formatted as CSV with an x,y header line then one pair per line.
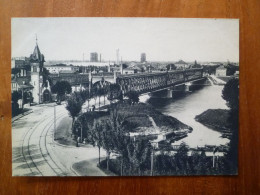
x,y
152,82
148,82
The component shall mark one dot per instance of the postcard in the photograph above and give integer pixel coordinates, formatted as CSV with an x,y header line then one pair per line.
x,y
124,96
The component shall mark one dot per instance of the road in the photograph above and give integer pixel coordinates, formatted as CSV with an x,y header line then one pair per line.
x,y
34,151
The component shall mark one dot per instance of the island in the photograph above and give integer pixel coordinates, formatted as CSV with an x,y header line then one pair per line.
x,y
216,119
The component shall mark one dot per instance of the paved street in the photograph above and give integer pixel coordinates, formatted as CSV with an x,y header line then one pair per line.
x,y
36,154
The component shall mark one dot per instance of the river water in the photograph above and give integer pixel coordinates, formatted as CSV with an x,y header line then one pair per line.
x,y
187,107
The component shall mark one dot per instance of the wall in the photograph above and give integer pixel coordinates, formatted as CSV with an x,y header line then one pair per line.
x,y
249,159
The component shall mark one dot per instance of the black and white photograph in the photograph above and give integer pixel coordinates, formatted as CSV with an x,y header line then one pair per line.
x,y
124,96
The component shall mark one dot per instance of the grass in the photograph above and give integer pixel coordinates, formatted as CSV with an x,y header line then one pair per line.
x,y
217,119
144,110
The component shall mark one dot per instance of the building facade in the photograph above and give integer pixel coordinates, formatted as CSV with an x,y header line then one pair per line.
x,y
55,69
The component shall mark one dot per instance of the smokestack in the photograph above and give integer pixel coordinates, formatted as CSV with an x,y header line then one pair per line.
x,y
117,56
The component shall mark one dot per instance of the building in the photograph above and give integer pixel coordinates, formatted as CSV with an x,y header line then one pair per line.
x,y
94,57
181,64
221,71
129,71
33,81
55,69
21,84
143,57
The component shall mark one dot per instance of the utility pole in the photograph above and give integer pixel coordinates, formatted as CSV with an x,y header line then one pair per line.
x,y
54,120
22,98
81,139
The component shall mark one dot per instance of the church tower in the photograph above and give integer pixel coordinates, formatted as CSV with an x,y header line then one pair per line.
x,y
36,62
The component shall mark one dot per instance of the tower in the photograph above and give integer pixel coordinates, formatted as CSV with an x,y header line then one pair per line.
x,y
36,63
94,57
143,57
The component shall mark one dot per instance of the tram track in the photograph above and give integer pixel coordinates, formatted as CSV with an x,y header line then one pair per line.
x,y
27,150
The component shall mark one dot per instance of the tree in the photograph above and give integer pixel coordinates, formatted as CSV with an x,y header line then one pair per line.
x,y
124,66
120,139
60,88
230,93
181,158
96,135
199,163
171,67
107,143
133,96
46,77
15,97
139,153
74,105
114,92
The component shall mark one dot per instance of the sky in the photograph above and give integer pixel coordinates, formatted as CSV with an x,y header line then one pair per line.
x,y
162,39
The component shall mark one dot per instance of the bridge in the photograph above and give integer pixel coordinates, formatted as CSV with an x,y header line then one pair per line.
x,y
141,82
150,82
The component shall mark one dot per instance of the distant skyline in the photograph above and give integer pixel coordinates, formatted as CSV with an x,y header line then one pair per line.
x,y
162,39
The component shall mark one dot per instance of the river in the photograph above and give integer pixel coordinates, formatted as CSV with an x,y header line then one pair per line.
x,y
187,107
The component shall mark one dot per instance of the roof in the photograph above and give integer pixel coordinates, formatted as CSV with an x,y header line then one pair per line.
x,y
59,65
36,55
180,62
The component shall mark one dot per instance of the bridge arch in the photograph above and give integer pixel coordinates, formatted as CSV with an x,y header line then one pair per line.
x,y
101,84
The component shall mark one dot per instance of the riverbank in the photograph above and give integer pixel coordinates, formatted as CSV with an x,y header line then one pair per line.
x,y
216,80
216,119
140,116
